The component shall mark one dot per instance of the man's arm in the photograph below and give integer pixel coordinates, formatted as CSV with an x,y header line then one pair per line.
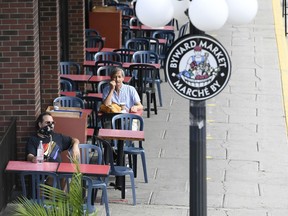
x,y
108,100
75,148
136,107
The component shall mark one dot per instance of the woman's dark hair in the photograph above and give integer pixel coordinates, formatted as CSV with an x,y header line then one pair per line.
x,y
40,119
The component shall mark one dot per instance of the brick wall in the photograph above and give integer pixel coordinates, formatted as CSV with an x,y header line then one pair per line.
x,y
19,67
29,59
76,30
50,51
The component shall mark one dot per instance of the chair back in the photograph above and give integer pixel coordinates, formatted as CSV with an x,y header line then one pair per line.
x,y
91,32
128,121
90,154
66,85
69,67
127,33
108,157
107,56
93,42
38,178
125,54
145,56
183,29
154,44
145,77
124,121
92,103
127,13
134,21
105,70
138,44
169,36
67,101
104,63
102,85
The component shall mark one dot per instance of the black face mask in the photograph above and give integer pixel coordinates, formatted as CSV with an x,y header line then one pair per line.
x,y
46,131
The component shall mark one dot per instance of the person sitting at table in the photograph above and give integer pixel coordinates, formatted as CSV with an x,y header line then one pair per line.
x,y
120,93
53,143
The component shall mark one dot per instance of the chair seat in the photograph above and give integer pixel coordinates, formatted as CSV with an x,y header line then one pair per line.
x,y
133,150
122,171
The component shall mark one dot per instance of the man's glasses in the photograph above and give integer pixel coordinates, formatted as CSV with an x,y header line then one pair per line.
x,y
49,122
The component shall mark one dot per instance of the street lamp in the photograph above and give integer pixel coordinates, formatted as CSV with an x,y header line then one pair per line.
x,y
154,13
206,15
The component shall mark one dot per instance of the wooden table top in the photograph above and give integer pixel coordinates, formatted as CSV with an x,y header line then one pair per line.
x,y
76,77
29,166
121,134
89,169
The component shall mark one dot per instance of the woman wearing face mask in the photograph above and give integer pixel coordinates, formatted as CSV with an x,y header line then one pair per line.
x,y
53,143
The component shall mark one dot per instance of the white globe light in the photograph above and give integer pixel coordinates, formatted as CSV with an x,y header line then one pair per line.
x,y
154,13
241,11
208,15
180,6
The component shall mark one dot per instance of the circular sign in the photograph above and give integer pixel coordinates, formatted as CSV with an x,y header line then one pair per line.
x,y
197,67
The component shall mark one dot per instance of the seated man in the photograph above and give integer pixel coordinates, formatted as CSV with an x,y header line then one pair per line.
x,y
53,143
120,93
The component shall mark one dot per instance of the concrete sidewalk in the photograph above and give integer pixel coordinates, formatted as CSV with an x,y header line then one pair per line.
x,y
247,162
246,136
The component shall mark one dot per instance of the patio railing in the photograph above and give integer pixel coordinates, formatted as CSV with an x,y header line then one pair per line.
x,y
7,152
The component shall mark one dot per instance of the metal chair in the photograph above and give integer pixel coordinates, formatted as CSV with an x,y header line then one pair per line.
x,y
66,85
92,103
125,54
92,154
169,37
69,67
154,44
91,32
138,44
102,85
105,70
114,169
38,178
183,29
93,42
67,101
127,13
127,34
145,56
145,83
99,64
149,57
127,121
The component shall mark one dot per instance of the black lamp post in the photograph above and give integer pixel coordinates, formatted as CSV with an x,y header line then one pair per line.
x,y
197,152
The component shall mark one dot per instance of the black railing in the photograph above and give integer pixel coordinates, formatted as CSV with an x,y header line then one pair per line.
x,y
7,152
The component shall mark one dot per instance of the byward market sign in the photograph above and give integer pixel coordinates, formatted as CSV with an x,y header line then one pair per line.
x,y
197,67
